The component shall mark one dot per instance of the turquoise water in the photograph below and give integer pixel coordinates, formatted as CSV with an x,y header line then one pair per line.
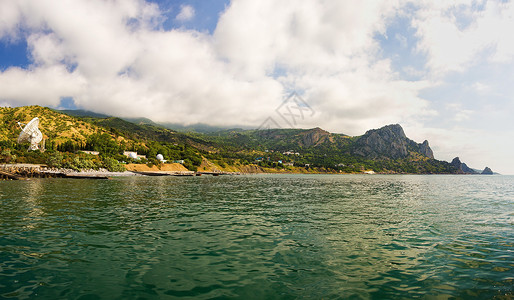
x,y
258,237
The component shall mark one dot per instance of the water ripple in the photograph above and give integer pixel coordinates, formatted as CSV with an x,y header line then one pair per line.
x,y
266,237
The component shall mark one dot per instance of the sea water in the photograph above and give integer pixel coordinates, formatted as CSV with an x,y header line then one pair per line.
x,y
258,237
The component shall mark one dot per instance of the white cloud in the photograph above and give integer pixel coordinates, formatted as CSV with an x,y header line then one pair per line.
x,y
401,39
187,12
463,115
115,57
327,50
10,16
452,47
481,87
477,148
43,86
117,60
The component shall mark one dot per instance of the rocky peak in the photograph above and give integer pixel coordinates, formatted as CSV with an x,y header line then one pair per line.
x,y
314,136
487,171
393,131
424,149
389,142
462,167
456,162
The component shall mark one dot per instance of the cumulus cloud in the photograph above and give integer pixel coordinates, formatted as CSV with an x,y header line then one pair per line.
x,y
187,12
115,57
10,16
43,86
327,50
468,50
457,34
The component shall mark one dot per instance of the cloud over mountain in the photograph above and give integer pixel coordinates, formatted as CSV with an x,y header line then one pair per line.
x,y
118,57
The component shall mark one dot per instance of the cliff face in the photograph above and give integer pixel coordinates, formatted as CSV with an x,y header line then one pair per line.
x,y
424,149
389,142
314,137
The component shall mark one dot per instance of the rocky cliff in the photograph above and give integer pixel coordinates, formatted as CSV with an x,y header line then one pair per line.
x,y
389,142
313,137
424,149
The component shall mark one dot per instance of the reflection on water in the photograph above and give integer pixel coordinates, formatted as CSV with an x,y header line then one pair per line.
x,y
281,236
31,200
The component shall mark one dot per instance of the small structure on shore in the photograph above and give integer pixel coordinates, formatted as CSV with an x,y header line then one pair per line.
x,y
31,133
90,152
134,155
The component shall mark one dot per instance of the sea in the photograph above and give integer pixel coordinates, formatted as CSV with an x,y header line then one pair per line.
x,y
258,237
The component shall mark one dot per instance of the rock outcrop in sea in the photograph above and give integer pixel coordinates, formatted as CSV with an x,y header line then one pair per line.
x,y
487,171
462,168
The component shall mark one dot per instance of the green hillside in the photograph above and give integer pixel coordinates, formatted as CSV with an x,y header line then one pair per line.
x,y
66,135
385,150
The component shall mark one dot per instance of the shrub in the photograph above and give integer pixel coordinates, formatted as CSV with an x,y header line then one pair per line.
x,y
113,165
55,160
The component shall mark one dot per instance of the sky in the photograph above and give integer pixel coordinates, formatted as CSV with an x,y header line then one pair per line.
x,y
441,69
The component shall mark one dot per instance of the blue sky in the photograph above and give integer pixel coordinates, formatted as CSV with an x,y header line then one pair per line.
x,y
441,69
14,53
205,18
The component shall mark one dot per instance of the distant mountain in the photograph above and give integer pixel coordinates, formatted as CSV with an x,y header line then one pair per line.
x,y
89,114
462,168
141,121
315,139
389,142
198,128
386,149
487,171
144,130
81,113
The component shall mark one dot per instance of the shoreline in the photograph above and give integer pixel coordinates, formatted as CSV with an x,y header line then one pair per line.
x,y
25,171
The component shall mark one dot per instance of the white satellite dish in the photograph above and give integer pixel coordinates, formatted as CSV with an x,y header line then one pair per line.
x,y
30,133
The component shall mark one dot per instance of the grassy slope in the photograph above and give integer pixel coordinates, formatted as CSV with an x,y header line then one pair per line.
x,y
54,125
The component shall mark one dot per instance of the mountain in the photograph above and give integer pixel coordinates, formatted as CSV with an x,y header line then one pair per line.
x,y
81,113
65,135
145,131
315,140
389,142
385,150
462,168
487,171
140,121
197,128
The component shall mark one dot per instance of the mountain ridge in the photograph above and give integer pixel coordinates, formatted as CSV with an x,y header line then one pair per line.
x,y
385,150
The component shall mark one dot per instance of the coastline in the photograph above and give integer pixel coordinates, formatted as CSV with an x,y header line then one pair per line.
x,y
26,171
